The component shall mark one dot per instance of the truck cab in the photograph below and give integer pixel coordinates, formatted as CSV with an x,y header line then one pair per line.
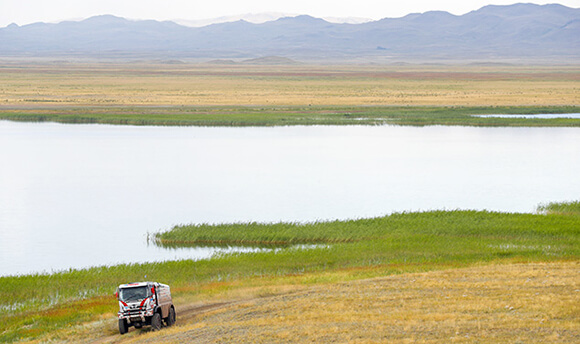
x,y
143,304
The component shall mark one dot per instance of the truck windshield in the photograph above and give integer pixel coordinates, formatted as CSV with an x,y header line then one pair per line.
x,y
133,294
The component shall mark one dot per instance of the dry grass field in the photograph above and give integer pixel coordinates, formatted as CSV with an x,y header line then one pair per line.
x,y
520,303
500,303
41,85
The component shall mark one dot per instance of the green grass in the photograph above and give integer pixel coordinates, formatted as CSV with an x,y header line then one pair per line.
x,y
33,305
283,116
434,223
569,208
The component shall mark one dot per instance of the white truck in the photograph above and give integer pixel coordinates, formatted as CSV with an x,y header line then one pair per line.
x,y
144,303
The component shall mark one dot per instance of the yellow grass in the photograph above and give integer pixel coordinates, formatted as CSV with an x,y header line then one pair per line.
x,y
197,84
516,303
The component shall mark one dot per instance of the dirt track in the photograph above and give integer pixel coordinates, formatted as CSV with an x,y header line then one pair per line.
x,y
186,314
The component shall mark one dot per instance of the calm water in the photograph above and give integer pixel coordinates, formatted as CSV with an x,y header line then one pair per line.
x,y
86,195
543,116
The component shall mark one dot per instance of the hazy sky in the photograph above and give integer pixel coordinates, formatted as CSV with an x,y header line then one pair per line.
x,y
28,11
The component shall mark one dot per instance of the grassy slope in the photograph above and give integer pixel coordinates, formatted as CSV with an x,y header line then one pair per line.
x,y
398,243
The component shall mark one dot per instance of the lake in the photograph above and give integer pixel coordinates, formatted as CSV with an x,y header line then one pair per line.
x,y
73,196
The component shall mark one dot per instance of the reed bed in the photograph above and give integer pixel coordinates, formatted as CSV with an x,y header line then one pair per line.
x,y
569,208
285,116
465,223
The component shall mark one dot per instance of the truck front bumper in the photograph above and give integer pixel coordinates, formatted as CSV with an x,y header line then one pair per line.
x,y
135,316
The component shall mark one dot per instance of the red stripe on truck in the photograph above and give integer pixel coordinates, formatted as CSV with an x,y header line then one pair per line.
x,y
143,302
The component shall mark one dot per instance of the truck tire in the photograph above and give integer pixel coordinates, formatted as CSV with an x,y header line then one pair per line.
x,y
156,322
170,320
123,328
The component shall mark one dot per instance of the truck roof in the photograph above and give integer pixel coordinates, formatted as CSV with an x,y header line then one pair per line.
x,y
140,284
134,284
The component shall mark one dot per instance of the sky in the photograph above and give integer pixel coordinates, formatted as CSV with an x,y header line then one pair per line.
x,y
24,12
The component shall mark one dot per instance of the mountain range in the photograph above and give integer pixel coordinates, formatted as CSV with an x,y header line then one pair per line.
x,y
519,31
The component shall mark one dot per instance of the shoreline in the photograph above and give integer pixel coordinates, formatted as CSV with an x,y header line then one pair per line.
x,y
253,116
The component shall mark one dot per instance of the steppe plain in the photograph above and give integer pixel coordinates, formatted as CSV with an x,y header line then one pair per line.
x,y
246,94
287,85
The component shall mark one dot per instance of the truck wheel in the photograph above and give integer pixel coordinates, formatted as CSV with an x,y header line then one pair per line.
x,y
156,322
123,328
170,320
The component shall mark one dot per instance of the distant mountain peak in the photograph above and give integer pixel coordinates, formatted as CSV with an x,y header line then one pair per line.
x,y
438,14
429,15
105,18
513,9
305,18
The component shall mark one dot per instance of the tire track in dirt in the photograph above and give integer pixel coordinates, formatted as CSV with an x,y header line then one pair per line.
x,y
189,312
184,315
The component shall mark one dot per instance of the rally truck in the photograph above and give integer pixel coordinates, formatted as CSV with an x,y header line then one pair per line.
x,y
143,304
